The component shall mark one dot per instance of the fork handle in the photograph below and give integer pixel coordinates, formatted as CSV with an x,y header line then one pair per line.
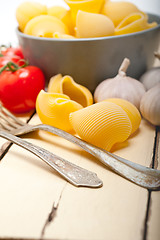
x,y
143,176
72,173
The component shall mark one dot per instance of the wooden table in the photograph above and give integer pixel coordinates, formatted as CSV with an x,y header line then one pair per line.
x,y
37,203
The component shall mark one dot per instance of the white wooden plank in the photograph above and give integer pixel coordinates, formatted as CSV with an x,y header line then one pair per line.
x,y
154,214
28,189
117,210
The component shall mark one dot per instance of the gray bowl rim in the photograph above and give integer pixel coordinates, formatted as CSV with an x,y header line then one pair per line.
x,y
91,39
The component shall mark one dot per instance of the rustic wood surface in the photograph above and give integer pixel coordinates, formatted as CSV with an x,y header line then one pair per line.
x,y
37,203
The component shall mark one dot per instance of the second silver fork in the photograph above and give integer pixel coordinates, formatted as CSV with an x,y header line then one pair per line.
x,y
74,174
143,176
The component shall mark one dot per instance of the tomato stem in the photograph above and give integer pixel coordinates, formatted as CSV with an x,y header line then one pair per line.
x,y
11,66
25,63
3,68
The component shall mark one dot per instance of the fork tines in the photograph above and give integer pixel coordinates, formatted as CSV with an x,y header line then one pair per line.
x,y
7,120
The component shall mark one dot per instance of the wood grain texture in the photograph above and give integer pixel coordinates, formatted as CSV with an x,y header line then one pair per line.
x,y
154,213
38,203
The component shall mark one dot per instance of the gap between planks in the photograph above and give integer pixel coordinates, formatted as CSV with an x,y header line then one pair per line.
x,y
51,216
154,164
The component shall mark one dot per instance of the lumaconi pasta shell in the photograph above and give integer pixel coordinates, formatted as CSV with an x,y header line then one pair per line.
x,y
68,86
62,36
54,85
132,112
64,15
45,26
54,109
28,10
93,6
91,25
102,124
117,11
134,22
57,11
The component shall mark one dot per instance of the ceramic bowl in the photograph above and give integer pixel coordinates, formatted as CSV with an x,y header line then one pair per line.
x,y
91,60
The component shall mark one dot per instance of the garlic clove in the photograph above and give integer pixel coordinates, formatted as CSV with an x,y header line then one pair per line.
x,y
151,77
121,86
150,105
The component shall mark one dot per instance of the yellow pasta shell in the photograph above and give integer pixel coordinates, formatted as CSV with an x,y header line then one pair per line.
x,y
45,26
117,11
93,6
62,36
102,124
28,10
54,109
134,22
69,87
130,109
91,25
57,11
64,15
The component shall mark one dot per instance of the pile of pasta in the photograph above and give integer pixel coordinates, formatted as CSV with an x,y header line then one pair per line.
x,y
81,19
69,106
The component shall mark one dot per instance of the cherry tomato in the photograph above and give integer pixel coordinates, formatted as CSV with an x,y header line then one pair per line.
x,y
19,89
16,59
13,51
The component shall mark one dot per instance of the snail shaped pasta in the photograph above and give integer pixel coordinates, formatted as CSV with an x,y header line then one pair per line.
x,y
28,10
134,22
132,112
66,85
91,25
45,26
102,124
54,109
93,6
62,36
64,15
117,11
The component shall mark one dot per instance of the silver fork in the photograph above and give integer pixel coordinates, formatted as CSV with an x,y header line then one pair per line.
x,y
143,176
74,174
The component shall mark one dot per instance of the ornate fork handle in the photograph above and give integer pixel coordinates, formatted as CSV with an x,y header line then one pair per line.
x,y
74,174
143,176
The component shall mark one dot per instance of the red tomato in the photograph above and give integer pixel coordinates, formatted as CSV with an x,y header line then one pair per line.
x,y
19,89
5,59
13,51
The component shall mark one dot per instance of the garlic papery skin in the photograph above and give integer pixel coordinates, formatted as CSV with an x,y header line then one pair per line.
x,y
151,77
121,86
150,105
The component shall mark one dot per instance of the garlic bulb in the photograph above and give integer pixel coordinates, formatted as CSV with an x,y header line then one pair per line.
x,y
150,105
151,77
121,86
